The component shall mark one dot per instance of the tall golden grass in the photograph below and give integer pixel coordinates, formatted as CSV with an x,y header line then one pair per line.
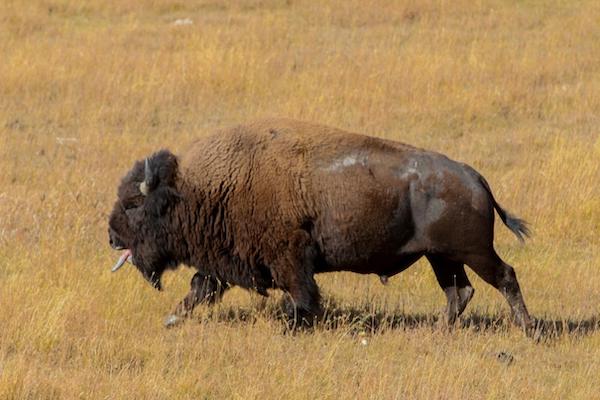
x,y
86,88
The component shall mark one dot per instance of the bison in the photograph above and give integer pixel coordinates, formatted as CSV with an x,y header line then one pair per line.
x,y
272,203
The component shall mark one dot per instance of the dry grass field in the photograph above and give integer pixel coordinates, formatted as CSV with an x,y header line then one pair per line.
x,y
510,87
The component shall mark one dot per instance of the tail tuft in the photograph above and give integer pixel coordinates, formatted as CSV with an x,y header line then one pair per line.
x,y
517,225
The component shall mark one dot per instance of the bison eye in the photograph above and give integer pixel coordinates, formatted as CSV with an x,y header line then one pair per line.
x,y
126,206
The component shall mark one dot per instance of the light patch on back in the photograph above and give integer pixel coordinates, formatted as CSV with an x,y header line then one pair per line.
x,y
347,161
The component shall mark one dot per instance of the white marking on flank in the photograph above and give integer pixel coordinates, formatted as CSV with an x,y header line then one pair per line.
x,y
410,171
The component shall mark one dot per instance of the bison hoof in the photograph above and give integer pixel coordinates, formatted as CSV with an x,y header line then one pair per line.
x,y
172,321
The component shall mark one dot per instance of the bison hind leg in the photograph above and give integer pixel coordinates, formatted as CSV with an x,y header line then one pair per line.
x,y
453,280
490,267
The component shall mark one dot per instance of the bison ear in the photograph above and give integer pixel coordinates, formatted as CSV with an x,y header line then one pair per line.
x,y
158,201
160,180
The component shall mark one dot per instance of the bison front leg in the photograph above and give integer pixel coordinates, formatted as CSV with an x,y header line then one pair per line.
x,y
204,289
294,273
453,280
304,306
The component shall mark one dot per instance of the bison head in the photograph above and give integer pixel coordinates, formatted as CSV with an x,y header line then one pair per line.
x,y
139,222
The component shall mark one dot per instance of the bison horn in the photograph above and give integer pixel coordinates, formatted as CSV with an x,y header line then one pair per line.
x,y
144,186
147,172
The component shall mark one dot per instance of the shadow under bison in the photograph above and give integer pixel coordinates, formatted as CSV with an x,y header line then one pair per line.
x,y
363,319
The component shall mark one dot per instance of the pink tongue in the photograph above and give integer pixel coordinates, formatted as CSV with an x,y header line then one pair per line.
x,y
125,256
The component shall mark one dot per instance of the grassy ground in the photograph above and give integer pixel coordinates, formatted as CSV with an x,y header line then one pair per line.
x,y
511,87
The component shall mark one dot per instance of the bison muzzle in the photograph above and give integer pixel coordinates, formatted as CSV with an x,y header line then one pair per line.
x,y
270,204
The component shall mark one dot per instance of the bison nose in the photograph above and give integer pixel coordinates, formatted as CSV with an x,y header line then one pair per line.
x,y
114,242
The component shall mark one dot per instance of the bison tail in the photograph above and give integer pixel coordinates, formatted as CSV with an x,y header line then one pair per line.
x,y
517,225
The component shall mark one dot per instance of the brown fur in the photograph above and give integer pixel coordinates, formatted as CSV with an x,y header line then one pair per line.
x,y
269,204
